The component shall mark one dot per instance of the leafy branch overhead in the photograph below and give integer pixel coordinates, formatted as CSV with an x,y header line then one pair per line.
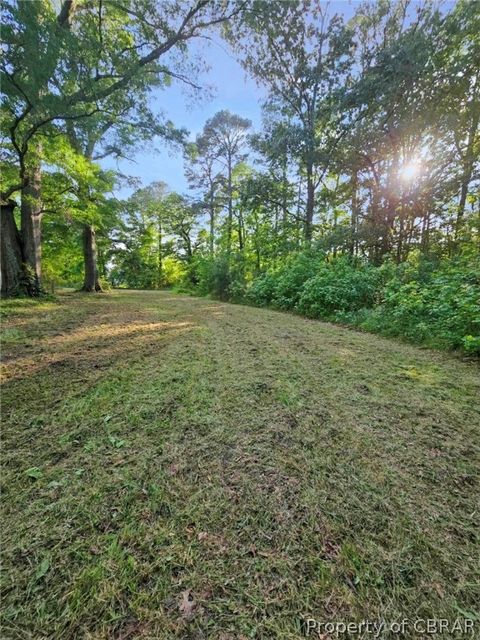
x,y
74,62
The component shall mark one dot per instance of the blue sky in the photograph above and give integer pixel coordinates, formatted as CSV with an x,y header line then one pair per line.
x,y
232,90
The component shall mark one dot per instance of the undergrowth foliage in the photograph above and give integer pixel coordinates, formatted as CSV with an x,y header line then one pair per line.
x,y
427,301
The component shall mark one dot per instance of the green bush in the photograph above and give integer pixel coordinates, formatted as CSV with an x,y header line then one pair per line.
x,y
340,286
291,278
219,276
281,288
443,311
424,300
262,290
197,277
173,271
471,344
104,283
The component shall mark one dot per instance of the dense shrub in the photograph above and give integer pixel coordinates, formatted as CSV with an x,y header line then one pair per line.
x,y
104,283
262,290
173,271
423,299
442,311
292,276
341,285
218,276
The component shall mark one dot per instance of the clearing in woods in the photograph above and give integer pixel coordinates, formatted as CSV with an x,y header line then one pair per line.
x,y
177,467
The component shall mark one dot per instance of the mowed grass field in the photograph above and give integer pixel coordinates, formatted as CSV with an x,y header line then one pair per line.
x,y
175,467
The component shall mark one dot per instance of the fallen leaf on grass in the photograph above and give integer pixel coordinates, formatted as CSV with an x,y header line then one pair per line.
x,y
187,605
42,569
34,472
331,550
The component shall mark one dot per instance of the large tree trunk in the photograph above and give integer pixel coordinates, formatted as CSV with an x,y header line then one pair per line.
x,y
354,214
16,275
377,225
278,246
240,231
31,225
401,233
212,223
425,241
230,209
468,161
12,272
285,231
310,204
258,264
463,198
90,282
299,224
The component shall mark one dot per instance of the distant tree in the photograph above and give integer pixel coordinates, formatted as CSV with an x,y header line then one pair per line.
x,y
456,94
414,149
304,58
181,222
118,46
223,141
143,234
269,219
115,131
204,172
157,229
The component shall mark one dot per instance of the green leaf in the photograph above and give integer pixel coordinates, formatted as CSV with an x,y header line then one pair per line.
x,y
116,442
34,472
42,568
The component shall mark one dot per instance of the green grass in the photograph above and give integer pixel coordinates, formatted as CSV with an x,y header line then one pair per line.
x,y
176,467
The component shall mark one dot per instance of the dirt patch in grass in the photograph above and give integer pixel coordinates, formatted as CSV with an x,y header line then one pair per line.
x,y
174,467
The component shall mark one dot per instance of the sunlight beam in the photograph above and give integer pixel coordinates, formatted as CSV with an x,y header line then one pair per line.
x,y
410,169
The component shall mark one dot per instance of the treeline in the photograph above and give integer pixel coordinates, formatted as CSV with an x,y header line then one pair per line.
x,y
76,80
357,201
